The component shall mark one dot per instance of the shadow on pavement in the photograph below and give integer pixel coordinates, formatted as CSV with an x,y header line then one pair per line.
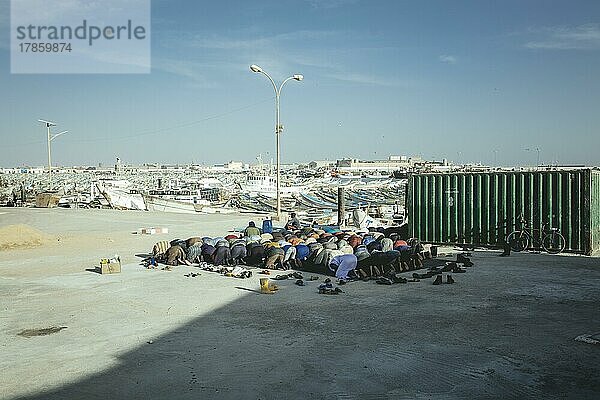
x,y
369,344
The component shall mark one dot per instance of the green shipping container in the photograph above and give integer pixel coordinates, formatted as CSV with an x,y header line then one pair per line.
x,y
483,208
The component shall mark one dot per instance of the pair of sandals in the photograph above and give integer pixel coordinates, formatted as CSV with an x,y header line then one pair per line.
x,y
328,289
300,281
453,267
295,275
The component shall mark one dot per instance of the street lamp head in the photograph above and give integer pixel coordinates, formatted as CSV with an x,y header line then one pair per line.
x,y
48,123
255,68
298,77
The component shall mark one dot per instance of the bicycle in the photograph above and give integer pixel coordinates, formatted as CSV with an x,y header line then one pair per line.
x,y
551,240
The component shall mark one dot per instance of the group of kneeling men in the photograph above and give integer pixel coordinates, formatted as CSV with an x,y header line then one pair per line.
x,y
327,250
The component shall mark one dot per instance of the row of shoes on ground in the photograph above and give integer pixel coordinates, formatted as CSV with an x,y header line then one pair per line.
x,y
192,275
294,275
300,281
394,278
433,271
236,272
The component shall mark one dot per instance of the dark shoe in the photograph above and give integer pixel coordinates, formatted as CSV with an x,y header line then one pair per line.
x,y
398,279
327,280
280,277
449,266
468,264
341,282
384,281
458,270
300,282
325,286
449,279
461,258
297,275
506,248
438,280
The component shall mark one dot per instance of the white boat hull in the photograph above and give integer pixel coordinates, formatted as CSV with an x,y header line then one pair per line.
x,y
154,203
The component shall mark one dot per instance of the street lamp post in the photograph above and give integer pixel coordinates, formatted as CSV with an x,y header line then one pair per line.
x,y
278,127
50,139
537,149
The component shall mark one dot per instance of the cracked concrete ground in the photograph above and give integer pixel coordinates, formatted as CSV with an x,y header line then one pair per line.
x,y
505,330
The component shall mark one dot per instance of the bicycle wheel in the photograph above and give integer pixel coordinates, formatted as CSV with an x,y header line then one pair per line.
x,y
554,242
518,240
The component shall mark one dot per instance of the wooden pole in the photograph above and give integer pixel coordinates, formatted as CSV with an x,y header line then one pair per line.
x,y
341,207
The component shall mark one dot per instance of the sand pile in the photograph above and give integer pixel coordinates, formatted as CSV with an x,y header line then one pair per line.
x,y
20,237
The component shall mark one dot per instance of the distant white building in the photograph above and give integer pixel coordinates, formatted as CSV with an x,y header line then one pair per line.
x,y
321,164
393,163
23,170
231,166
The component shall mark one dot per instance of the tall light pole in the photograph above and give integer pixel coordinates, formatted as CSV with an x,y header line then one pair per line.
x,y
537,149
278,127
50,139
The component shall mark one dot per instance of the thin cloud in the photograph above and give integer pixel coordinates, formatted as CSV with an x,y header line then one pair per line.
x,y
582,37
367,79
282,54
448,59
185,69
228,43
329,4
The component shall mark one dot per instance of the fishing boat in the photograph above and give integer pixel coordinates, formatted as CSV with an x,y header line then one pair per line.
x,y
266,185
119,195
182,200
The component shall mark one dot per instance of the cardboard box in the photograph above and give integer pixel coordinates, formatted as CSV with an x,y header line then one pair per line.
x,y
109,268
153,231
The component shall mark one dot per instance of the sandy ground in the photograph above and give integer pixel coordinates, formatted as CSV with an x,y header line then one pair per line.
x,y
505,330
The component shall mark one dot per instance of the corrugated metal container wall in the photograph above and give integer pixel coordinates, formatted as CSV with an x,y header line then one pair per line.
x,y
482,208
595,210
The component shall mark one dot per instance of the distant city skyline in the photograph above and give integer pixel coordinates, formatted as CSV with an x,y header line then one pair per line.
x,y
499,83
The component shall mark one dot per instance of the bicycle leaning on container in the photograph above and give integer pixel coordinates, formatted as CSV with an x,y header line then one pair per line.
x,y
550,239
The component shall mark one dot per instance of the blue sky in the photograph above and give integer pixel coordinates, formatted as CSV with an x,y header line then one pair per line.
x,y
471,81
